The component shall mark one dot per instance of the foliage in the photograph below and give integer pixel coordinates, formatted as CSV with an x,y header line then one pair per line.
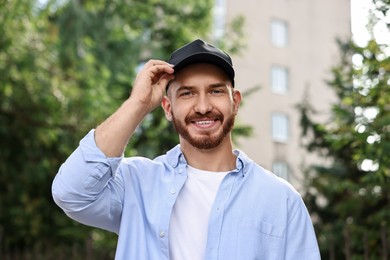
x,y
349,196
64,67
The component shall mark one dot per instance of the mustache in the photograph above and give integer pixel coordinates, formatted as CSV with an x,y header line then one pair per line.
x,y
195,116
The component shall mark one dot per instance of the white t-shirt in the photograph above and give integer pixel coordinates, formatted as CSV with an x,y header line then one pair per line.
x,y
190,216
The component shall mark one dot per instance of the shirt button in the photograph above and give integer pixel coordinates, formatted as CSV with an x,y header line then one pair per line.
x,y
180,171
162,234
172,191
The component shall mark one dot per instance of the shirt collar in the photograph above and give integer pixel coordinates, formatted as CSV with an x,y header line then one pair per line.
x,y
175,157
242,161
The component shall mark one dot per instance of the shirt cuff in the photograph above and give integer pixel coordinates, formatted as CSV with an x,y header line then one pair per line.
x,y
92,153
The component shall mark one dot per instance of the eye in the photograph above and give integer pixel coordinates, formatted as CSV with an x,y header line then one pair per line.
x,y
217,91
185,93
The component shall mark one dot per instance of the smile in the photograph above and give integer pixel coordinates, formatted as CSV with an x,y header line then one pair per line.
x,y
204,123
208,122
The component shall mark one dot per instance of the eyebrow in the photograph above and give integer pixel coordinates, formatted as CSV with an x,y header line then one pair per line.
x,y
218,85
184,88
211,86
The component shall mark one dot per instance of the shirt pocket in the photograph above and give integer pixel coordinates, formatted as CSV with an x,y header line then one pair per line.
x,y
260,240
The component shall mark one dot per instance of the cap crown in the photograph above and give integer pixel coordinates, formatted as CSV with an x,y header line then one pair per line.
x,y
200,51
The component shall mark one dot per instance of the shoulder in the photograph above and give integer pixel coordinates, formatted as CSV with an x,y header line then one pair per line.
x,y
271,199
263,179
272,179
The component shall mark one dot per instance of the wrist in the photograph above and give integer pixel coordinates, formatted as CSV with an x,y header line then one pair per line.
x,y
136,107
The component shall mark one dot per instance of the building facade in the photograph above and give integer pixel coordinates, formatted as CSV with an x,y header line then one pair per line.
x,y
290,50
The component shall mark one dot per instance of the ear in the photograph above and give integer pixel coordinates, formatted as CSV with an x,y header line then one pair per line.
x,y
166,105
237,97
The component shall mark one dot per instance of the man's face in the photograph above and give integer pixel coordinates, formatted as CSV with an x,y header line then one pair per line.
x,y
202,105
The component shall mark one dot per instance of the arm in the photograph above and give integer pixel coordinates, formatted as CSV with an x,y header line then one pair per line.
x,y
113,134
86,186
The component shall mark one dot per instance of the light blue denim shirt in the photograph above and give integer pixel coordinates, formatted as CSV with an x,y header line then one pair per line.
x,y
256,215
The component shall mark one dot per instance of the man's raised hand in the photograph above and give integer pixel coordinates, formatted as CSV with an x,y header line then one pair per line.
x,y
151,82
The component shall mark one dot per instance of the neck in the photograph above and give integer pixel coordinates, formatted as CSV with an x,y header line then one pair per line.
x,y
218,159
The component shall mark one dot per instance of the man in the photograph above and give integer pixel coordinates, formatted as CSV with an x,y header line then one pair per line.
x,y
202,199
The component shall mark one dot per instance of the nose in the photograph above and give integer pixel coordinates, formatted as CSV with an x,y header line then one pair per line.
x,y
203,104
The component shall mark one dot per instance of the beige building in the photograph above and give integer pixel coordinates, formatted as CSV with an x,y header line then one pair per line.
x,y
290,46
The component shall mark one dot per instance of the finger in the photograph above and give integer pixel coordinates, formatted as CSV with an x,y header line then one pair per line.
x,y
164,81
158,71
152,63
162,68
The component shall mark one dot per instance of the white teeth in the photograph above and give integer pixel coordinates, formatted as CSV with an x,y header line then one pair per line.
x,y
203,122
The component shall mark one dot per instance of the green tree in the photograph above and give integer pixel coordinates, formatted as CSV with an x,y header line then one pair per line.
x,y
64,67
350,196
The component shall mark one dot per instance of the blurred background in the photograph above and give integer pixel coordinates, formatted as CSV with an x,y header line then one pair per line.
x,y
315,77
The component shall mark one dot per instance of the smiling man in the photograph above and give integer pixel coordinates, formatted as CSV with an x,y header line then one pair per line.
x,y
202,199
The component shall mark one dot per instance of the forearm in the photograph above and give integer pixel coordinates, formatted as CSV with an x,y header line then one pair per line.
x,y
114,133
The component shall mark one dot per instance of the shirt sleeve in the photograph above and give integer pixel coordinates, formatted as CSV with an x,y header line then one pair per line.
x,y
301,241
87,187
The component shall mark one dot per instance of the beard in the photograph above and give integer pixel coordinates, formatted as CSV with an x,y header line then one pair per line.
x,y
208,139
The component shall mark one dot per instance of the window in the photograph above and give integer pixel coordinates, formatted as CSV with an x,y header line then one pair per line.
x,y
279,79
279,33
281,169
219,19
280,127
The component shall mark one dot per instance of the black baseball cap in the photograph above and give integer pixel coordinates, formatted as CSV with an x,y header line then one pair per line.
x,y
200,51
